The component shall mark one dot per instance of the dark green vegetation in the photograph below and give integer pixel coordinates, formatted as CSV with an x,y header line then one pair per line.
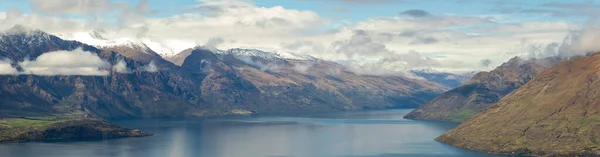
x,y
482,91
555,114
44,129
201,84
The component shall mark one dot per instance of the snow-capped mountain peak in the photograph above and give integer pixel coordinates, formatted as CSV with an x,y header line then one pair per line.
x,y
98,40
160,49
266,55
427,70
23,35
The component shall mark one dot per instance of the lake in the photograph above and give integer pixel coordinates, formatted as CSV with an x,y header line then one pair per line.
x,y
344,134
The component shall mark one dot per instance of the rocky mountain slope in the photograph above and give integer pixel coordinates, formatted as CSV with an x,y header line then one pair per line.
x,y
482,91
259,84
205,84
555,114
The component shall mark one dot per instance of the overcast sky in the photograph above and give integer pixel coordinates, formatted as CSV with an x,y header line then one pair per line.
x,y
378,36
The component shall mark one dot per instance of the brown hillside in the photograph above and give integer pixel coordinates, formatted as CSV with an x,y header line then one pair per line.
x,y
555,114
482,91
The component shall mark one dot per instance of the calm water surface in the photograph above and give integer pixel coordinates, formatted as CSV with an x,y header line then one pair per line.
x,y
346,134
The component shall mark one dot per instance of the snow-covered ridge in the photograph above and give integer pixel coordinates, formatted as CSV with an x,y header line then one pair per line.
x,y
146,46
96,39
160,49
24,35
266,55
426,70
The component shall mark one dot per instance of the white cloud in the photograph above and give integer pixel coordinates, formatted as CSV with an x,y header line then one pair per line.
x,y
360,45
271,66
121,67
396,64
6,68
65,63
151,67
457,43
303,67
71,6
76,62
576,43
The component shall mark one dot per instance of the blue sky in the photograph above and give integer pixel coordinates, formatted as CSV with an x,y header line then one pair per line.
x,y
458,34
363,9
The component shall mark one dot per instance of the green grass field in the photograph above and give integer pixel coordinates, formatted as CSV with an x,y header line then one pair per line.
x,y
26,122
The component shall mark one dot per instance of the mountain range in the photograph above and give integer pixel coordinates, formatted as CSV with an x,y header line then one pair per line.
x,y
554,114
137,82
450,80
483,90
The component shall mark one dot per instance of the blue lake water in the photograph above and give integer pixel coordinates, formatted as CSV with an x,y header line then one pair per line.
x,y
344,134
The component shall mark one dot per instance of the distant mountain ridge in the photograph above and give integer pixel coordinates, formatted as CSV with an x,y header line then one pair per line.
x,y
449,80
483,90
203,84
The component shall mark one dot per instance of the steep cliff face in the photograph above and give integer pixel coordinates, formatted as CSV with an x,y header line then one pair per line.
x,y
483,90
555,114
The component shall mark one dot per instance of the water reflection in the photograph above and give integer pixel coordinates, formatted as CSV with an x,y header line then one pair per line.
x,y
348,134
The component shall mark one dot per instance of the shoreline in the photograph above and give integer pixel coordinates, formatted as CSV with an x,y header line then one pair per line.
x,y
28,130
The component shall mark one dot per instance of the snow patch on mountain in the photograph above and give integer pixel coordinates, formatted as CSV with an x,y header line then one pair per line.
x,y
96,39
168,48
24,35
266,55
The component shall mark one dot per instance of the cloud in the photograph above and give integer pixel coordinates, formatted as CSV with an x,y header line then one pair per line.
x,y
485,62
6,68
333,71
424,40
360,44
416,13
151,67
555,9
578,42
244,14
270,67
212,43
303,67
76,62
121,67
363,2
457,42
45,23
397,64
304,47
86,7
65,63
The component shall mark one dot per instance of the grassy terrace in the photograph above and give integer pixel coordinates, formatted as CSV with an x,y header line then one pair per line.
x,y
27,122
14,126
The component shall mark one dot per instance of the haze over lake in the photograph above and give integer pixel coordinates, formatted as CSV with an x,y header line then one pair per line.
x,y
344,134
